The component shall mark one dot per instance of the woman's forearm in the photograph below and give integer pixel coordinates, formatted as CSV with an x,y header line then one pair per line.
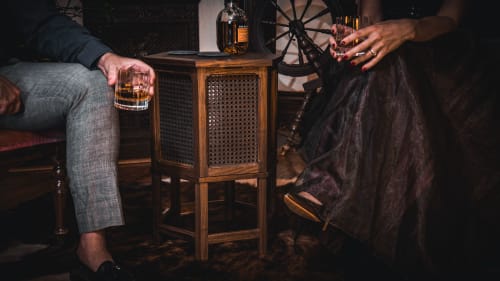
x,y
446,20
429,28
424,29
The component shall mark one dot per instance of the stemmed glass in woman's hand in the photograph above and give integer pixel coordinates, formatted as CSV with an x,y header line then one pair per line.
x,y
344,26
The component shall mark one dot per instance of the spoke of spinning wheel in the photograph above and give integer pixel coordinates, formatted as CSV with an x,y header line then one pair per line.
x,y
285,50
320,30
273,23
280,10
292,2
318,15
272,40
308,4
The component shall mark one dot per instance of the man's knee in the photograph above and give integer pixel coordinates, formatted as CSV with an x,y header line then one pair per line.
x,y
93,84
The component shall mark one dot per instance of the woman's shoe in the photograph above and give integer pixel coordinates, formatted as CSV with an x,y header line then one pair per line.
x,y
302,206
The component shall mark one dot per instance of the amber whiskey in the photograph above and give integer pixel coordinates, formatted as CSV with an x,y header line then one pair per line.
x,y
232,29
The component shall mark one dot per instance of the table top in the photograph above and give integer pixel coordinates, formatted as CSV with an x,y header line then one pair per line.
x,y
194,60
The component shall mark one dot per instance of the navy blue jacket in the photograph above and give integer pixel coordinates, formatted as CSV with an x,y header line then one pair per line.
x,y
35,28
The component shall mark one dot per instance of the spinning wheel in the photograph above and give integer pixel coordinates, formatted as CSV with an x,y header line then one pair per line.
x,y
299,32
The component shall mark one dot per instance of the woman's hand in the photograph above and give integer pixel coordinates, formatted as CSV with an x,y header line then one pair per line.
x,y
10,97
109,64
376,41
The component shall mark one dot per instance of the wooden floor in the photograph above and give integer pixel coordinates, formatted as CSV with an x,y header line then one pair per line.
x,y
28,251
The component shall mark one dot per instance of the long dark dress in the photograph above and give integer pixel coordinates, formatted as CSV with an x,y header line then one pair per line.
x,y
406,157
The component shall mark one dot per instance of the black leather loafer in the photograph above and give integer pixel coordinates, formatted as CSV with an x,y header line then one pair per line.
x,y
107,271
302,207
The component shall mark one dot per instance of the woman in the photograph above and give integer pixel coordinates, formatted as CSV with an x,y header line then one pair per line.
x,y
403,154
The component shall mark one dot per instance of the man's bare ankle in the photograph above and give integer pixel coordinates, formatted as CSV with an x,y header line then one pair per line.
x,y
92,250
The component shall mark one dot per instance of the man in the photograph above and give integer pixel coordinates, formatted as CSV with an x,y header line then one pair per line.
x,y
69,92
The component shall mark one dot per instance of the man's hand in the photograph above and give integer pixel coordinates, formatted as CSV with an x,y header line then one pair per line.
x,y
10,98
109,64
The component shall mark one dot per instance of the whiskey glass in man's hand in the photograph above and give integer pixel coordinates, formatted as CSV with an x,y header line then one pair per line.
x,y
132,89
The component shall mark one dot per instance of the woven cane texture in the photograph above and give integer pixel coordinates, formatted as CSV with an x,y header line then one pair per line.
x,y
176,117
232,106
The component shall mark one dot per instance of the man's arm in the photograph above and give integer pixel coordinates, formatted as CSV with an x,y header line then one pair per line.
x,y
55,35
58,37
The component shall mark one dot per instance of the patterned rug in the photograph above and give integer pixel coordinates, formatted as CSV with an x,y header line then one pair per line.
x,y
296,248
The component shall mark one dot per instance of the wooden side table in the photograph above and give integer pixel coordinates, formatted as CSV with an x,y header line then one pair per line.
x,y
213,120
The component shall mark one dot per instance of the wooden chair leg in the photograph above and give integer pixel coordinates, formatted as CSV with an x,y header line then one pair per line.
x,y
60,194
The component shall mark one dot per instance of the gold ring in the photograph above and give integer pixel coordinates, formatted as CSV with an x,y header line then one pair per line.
x,y
373,52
